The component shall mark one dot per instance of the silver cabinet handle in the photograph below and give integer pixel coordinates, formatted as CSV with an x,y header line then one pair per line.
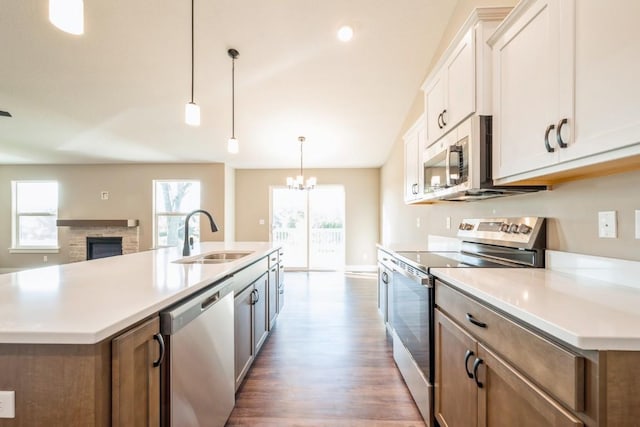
x,y
559,140
549,148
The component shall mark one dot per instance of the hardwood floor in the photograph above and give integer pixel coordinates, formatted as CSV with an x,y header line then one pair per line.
x,y
328,362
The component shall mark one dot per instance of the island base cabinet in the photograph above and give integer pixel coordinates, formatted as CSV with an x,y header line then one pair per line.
x,y
57,385
136,357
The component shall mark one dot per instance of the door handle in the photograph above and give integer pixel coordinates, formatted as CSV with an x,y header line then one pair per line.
x,y
467,356
442,115
549,148
476,365
561,143
158,337
475,321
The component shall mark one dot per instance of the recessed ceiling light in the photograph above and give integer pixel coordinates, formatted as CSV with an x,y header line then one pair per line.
x,y
345,33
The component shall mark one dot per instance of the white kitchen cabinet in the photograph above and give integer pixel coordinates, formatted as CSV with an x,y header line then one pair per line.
x,y
460,85
564,92
413,148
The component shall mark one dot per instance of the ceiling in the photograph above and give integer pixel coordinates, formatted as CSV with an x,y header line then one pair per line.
x,y
117,93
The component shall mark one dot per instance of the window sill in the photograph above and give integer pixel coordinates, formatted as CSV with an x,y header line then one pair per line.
x,y
35,250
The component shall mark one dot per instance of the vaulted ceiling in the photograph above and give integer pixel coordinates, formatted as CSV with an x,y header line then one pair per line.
x,y
117,92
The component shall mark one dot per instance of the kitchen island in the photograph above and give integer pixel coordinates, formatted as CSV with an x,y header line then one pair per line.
x,y
74,337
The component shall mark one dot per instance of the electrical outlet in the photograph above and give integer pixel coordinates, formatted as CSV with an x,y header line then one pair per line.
x,y
104,195
7,404
637,224
418,222
261,221
607,225
448,223
45,259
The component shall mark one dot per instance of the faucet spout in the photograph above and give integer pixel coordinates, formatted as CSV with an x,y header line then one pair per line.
x,y
186,250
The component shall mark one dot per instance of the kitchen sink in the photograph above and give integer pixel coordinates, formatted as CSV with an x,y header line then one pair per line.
x,y
214,257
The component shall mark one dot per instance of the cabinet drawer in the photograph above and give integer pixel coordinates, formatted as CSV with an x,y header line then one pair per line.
x,y
557,370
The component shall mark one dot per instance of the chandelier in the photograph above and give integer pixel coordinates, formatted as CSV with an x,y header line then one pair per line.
x,y
299,183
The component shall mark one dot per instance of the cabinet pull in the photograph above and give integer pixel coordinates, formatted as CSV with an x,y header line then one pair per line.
x,y
442,115
439,118
257,295
475,321
385,278
467,356
254,299
158,337
561,143
549,148
476,364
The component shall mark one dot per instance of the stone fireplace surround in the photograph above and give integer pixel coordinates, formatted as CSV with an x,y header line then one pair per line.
x,y
79,230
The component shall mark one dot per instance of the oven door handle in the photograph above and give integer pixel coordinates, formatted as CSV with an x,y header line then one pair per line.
x,y
424,281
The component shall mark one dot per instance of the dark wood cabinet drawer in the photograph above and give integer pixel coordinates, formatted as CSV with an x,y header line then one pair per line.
x,y
558,371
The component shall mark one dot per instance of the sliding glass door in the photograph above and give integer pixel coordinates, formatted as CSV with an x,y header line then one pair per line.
x,y
310,225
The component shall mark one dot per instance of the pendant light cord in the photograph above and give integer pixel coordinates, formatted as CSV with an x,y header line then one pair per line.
x,y
301,160
192,50
233,97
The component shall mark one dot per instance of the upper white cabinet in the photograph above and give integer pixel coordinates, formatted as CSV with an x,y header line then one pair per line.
x,y
413,148
565,88
460,84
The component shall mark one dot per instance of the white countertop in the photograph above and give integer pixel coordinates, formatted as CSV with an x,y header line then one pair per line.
x,y
86,302
584,312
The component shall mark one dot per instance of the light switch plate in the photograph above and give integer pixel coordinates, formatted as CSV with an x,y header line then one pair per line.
x,y
104,195
607,225
637,224
7,404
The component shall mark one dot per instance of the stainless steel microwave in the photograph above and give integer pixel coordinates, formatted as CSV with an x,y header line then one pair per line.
x,y
457,167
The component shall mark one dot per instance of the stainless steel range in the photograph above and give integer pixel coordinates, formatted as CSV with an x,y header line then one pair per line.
x,y
486,243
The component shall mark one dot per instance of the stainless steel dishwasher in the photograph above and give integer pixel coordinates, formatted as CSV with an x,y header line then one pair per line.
x,y
200,376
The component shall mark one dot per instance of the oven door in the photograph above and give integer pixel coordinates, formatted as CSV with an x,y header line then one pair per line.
x,y
412,317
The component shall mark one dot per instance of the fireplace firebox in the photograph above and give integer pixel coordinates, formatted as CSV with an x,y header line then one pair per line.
x,y
102,247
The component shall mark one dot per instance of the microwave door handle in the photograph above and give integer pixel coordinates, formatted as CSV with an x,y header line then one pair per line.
x,y
448,166
455,150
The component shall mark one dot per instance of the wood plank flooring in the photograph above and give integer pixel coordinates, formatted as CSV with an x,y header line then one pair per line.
x,y
328,362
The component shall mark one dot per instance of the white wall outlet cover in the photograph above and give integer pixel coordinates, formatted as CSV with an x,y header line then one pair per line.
x,y
7,404
104,195
261,221
637,224
607,225
448,222
418,222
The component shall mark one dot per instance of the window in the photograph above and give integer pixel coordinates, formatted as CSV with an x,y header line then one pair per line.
x,y
35,210
172,201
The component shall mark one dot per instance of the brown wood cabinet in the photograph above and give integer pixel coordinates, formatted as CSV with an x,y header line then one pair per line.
x,y
135,375
251,325
474,387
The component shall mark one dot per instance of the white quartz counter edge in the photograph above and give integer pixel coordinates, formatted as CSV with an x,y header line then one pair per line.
x,y
586,313
87,302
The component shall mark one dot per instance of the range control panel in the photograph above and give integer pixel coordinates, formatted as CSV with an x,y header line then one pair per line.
x,y
517,230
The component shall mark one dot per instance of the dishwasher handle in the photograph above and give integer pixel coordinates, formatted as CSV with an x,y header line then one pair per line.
x,y
179,315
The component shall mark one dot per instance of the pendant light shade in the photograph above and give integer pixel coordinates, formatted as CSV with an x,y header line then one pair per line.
x,y
299,183
67,15
233,146
192,114
191,109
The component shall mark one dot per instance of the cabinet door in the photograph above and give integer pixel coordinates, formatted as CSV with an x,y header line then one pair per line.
x,y
273,295
135,376
434,107
508,399
527,90
607,113
260,314
243,334
456,397
460,97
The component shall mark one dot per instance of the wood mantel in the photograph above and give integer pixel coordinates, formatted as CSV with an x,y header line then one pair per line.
x,y
97,223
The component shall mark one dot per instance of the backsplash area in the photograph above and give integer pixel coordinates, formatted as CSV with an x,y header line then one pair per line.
x,y
571,208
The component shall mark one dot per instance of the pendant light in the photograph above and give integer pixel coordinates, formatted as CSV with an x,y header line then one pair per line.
x,y
67,15
191,109
298,183
233,146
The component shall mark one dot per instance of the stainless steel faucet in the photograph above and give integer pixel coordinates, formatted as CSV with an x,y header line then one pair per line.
x,y
186,250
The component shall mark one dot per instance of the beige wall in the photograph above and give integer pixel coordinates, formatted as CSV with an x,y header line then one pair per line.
x,y
572,208
362,192
130,197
